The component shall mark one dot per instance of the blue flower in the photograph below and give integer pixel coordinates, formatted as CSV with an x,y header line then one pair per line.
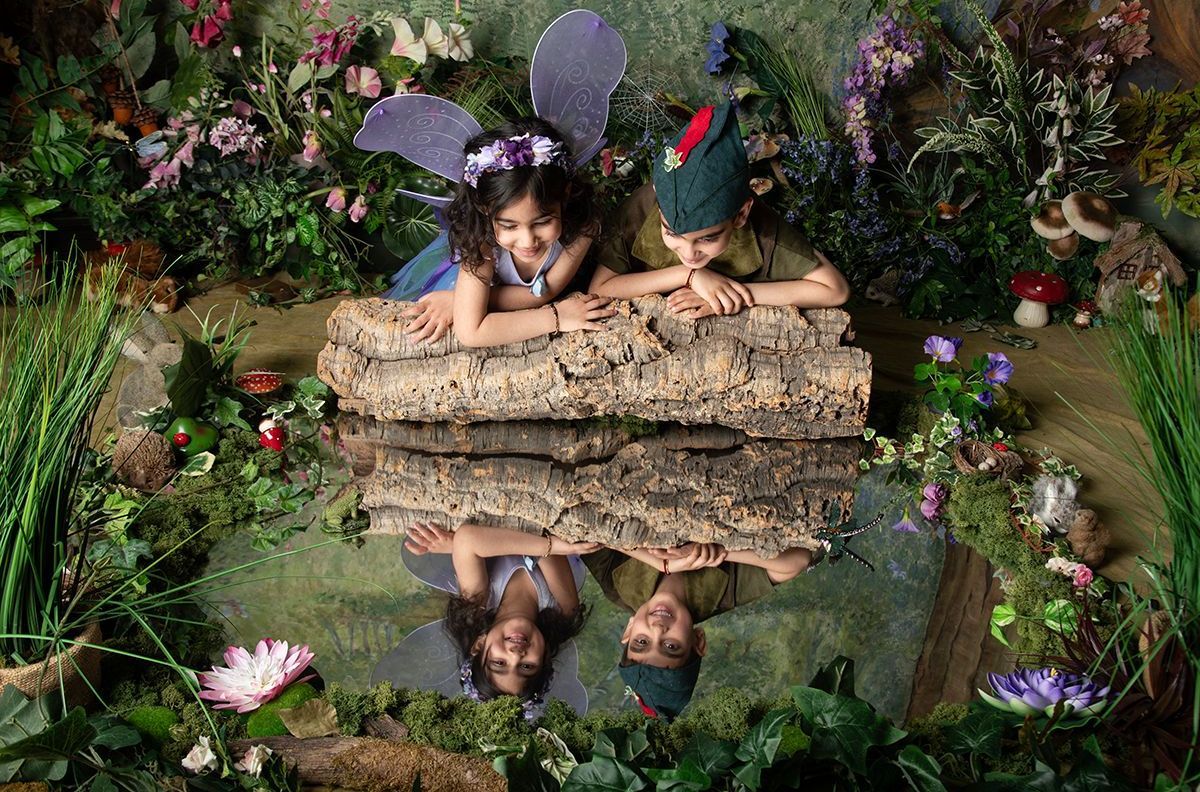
x,y
716,48
942,349
719,32
985,398
999,370
906,525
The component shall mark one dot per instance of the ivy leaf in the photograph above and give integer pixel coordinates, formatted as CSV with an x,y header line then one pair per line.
x,y
227,414
843,728
712,756
604,774
199,464
687,777
978,733
920,770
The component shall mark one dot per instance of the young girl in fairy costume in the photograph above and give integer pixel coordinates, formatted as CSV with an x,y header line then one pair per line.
x,y
521,220
514,604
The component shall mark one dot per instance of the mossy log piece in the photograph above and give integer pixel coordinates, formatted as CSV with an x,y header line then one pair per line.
x,y
752,494
373,764
770,371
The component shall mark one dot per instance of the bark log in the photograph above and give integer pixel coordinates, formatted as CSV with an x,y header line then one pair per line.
x,y
702,484
769,371
374,764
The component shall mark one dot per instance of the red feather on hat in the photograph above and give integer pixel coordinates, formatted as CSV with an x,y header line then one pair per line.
x,y
696,131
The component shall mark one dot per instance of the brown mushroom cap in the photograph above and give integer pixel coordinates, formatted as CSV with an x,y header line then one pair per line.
x,y
1091,215
1041,287
1050,223
1063,249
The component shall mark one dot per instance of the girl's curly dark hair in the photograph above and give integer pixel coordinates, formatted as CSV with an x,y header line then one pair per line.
x,y
471,212
467,618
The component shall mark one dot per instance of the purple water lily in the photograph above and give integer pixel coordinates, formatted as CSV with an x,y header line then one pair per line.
x,y
1036,691
943,350
999,369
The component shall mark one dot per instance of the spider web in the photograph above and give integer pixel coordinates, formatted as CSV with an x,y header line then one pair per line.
x,y
638,102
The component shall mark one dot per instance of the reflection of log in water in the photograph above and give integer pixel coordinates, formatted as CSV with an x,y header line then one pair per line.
x,y
582,482
771,371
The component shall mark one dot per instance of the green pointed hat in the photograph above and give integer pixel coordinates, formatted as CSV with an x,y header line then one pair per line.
x,y
662,692
703,177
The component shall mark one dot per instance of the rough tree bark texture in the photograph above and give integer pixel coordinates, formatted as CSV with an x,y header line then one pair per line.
x,y
702,484
770,371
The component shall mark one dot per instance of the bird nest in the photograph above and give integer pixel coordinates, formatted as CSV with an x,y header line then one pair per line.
x,y
973,456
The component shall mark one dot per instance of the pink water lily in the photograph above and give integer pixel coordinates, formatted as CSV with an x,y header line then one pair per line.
x,y
363,80
249,681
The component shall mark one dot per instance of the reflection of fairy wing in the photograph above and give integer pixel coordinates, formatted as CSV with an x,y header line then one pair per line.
x,y
437,570
427,659
433,269
576,65
426,130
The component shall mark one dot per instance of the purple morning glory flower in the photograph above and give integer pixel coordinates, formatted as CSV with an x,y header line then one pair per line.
x,y
1036,691
716,48
943,350
999,370
985,398
719,32
906,525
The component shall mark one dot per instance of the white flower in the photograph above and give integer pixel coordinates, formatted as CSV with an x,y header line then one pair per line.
x,y
201,758
406,44
543,148
460,48
1061,565
435,41
255,758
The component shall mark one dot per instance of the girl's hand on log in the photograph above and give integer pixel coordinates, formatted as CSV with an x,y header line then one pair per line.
x,y
700,556
690,305
560,546
724,295
583,312
431,316
429,538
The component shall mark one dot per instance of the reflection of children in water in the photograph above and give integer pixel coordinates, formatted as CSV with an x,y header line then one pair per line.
x,y
509,626
669,592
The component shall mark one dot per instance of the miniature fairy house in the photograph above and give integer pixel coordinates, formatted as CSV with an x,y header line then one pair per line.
x,y
1136,249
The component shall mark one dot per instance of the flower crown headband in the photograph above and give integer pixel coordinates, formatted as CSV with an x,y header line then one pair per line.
x,y
528,706
514,152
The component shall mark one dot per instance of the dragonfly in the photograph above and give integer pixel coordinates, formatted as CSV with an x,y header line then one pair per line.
x,y
836,536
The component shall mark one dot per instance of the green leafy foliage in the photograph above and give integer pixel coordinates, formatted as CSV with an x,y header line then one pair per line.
x,y
1165,126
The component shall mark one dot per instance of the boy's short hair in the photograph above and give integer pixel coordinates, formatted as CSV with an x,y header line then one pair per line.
x,y
703,178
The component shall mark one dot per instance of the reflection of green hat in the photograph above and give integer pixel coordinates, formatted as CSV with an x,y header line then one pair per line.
x,y
666,691
703,177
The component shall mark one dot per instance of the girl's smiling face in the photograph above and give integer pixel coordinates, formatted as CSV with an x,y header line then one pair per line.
x,y
513,651
526,229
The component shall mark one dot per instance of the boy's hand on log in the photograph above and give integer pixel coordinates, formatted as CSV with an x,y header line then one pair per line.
x,y
699,557
429,538
685,301
670,552
724,295
583,312
431,316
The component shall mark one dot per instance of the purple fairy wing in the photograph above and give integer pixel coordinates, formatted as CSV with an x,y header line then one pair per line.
x,y
436,201
426,130
576,65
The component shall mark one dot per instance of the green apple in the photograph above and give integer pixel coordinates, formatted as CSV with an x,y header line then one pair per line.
x,y
191,436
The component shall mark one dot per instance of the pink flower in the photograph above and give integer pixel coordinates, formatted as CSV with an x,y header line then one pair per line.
x,y
336,201
224,10
163,175
312,146
190,5
207,32
237,50
184,155
249,681
358,209
272,68
1083,576
242,109
363,80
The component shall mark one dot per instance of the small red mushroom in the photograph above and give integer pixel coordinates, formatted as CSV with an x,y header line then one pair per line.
x,y
1036,290
1084,311
272,439
259,381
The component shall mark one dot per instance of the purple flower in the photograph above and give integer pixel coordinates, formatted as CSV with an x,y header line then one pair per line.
x,y
716,48
942,349
999,370
1034,691
985,398
906,525
933,498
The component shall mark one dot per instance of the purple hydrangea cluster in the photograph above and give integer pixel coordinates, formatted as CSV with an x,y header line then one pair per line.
x,y
888,55
514,152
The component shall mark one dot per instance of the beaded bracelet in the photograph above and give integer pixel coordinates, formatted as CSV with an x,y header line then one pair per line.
x,y
549,546
554,310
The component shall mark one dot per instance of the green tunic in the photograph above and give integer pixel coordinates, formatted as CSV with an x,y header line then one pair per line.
x,y
628,583
764,249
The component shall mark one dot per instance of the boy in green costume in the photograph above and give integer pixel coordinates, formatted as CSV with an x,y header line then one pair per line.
x,y
669,592
698,234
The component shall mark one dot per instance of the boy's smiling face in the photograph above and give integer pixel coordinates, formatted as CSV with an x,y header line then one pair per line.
x,y
661,633
697,248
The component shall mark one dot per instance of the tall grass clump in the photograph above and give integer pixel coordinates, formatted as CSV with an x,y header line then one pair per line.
x,y
56,359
